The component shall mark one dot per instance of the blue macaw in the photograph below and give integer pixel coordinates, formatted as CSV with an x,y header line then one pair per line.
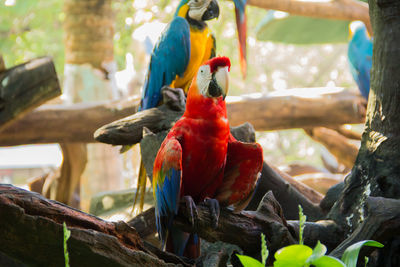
x,y
360,56
241,24
185,44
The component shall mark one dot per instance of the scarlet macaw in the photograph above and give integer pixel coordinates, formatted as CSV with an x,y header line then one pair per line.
x,y
360,56
185,44
241,25
200,160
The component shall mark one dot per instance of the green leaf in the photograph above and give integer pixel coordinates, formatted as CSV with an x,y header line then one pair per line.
x,y
302,221
249,261
301,30
317,253
293,255
350,255
328,261
264,250
67,234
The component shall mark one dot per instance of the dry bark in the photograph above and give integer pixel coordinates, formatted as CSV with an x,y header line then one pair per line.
x,y
72,167
31,232
272,112
89,30
66,123
26,86
337,9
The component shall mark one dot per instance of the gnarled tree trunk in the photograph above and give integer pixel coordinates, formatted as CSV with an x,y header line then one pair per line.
x,y
376,170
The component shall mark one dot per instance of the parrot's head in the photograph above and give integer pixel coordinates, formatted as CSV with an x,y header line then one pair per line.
x,y
357,30
202,10
212,78
206,96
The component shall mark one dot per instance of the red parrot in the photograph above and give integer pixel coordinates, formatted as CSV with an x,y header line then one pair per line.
x,y
200,160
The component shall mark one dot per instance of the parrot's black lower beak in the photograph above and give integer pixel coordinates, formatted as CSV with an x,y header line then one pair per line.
x,y
212,11
214,90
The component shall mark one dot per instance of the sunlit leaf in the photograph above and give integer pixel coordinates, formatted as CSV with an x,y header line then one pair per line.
x,y
249,261
317,253
328,261
293,255
302,30
350,255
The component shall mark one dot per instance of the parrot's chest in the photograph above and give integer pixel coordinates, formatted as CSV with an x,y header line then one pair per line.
x,y
203,161
198,53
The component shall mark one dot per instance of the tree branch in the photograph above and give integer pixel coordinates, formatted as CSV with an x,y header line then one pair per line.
x,y
66,123
289,109
335,9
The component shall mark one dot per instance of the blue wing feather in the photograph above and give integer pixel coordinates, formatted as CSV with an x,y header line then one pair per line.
x,y
170,57
167,200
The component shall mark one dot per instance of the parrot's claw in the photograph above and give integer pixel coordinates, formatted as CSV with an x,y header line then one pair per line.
x,y
192,210
214,208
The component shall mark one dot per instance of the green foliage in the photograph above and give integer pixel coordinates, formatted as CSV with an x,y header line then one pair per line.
x,y
293,255
264,250
303,256
302,30
249,261
302,221
350,255
67,234
30,29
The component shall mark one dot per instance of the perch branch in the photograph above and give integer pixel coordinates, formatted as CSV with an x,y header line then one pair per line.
x,y
294,108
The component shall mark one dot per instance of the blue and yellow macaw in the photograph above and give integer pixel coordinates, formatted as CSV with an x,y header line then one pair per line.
x,y
241,25
184,45
360,56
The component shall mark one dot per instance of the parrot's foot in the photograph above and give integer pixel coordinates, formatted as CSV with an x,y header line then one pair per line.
x,y
214,208
192,210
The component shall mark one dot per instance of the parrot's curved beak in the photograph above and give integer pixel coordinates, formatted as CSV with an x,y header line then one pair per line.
x,y
219,83
212,11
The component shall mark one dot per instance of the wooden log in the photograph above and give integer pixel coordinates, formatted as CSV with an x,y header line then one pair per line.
x,y
31,232
25,87
78,122
294,108
344,151
338,9
66,123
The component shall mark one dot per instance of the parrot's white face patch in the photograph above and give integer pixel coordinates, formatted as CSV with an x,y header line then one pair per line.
x,y
203,79
197,8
